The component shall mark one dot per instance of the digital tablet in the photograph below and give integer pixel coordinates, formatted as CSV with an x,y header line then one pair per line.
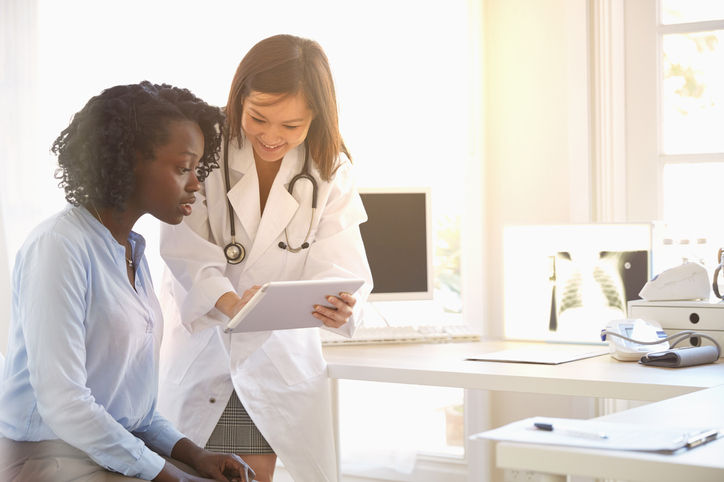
x,y
286,305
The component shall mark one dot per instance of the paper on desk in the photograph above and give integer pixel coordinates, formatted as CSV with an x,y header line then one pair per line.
x,y
583,433
544,354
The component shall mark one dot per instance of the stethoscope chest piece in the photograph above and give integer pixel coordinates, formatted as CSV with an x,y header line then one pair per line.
x,y
234,252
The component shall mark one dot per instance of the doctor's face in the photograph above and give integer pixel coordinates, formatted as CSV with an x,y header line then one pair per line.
x,y
165,185
275,123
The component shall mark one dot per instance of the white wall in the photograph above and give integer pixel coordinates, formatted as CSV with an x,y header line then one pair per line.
x,y
534,172
644,172
4,289
18,120
537,154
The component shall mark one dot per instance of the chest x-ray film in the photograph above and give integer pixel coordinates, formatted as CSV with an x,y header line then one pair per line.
x,y
566,282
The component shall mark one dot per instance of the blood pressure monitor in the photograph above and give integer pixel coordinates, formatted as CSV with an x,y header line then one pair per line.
x,y
630,339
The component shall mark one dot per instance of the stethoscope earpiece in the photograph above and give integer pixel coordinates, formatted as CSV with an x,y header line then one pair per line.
x,y
283,245
235,252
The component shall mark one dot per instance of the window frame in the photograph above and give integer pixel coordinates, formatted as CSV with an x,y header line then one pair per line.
x,y
644,119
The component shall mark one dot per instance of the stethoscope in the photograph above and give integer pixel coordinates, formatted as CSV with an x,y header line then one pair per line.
x,y
235,252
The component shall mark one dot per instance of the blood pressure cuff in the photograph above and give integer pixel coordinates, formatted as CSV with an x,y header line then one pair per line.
x,y
681,357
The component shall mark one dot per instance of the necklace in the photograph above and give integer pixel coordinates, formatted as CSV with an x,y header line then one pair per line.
x,y
129,261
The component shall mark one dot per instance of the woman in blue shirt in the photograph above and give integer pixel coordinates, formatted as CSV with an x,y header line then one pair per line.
x,y
79,387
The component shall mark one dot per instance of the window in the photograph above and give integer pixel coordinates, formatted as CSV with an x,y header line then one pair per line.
x,y
681,42
692,116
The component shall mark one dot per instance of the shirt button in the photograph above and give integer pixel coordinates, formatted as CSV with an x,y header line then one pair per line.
x,y
212,400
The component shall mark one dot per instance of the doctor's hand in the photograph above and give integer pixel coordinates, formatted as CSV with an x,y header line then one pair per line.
x,y
230,303
339,313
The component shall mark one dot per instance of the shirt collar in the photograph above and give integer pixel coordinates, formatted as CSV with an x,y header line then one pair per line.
x,y
138,242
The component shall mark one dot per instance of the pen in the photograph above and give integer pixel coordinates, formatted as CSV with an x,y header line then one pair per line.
x,y
548,427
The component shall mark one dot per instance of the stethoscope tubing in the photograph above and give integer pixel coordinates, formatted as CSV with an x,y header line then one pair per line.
x,y
234,251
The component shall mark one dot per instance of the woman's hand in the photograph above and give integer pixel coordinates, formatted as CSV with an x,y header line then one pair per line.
x,y
339,313
224,467
171,473
213,466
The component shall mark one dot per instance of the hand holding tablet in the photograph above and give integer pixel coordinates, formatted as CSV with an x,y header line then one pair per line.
x,y
285,305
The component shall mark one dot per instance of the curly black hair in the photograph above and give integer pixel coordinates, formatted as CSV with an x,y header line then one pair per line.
x,y
123,125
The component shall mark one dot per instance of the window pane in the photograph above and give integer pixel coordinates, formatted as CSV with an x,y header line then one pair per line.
x,y
693,93
692,192
385,426
685,11
402,135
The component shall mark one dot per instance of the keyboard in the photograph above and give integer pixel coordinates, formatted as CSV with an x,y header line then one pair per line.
x,y
402,334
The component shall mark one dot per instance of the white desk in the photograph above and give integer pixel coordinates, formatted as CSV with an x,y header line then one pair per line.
x,y
444,365
704,463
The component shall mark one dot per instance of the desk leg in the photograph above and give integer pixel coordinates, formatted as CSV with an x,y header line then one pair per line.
x,y
479,453
334,389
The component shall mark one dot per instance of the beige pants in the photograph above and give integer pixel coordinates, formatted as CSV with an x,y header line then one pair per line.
x,y
56,461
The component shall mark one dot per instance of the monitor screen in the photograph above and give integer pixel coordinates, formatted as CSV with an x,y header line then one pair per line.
x,y
397,240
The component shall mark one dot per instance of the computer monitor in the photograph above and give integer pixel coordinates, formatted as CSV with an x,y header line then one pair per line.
x,y
398,240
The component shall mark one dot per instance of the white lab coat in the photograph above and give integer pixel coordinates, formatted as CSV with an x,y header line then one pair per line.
x,y
280,377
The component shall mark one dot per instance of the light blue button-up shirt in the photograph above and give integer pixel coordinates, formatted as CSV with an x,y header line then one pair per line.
x,y
82,363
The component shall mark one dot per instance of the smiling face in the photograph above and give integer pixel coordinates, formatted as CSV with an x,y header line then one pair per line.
x,y
165,185
275,123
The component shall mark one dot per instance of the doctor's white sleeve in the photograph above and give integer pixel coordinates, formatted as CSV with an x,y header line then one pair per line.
x,y
198,266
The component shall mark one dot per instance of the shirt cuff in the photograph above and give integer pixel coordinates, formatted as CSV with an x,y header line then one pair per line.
x,y
166,440
149,465
160,435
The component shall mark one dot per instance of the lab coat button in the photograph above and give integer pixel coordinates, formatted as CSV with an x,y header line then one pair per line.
x,y
212,400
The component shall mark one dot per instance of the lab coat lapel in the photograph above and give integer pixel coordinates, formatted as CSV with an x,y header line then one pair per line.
x,y
244,195
263,231
279,210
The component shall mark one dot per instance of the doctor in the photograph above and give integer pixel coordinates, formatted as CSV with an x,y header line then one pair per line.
x,y
284,206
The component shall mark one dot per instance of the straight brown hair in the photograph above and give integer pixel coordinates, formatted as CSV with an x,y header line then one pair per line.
x,y
285,64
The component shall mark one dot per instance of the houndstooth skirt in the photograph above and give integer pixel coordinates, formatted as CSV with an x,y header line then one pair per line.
x,y
236,433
